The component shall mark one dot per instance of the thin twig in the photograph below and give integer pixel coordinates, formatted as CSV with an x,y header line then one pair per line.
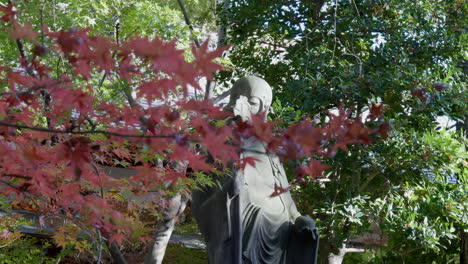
x,y
42,22
355,6
209,87
334,45
187,20
9,242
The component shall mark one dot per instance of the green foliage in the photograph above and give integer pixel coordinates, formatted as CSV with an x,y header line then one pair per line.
x,y
446,155
410,56
189,228
423,222
181,255
29,251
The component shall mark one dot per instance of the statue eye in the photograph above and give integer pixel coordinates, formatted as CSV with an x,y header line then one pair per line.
x,y
254,101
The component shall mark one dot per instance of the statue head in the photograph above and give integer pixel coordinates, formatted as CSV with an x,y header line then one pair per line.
x,y
250,95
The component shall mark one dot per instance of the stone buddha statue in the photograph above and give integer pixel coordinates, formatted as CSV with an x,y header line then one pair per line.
x,y
242,213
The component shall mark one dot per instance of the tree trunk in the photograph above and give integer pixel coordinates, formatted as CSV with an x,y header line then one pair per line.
x,y
463,247
116,254
328,254
335,259
164,229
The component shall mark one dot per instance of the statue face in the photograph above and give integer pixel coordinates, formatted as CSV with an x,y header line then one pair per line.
x,y
246,106
250,96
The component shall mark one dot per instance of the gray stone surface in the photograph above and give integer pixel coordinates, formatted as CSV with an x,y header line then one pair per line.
x,y
190,241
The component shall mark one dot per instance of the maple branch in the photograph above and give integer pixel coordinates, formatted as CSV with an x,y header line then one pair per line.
x,y
101,82
10,185
93,125
37,87
99,246
19,189
117,40
222,96
17,176
103,132
20,46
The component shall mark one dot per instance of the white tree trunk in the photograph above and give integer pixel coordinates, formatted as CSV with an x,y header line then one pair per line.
x,y
338,258
164,229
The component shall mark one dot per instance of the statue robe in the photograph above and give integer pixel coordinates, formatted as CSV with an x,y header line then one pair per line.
x,y
267,222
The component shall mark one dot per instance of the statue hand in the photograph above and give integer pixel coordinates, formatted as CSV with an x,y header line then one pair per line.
x,y
305,224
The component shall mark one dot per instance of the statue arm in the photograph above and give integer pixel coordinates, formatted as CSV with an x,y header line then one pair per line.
x,y
293,212
290,204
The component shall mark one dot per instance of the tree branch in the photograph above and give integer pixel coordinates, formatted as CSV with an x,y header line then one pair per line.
x,y
17,176
187,20
368,180
37,87
209,83
103,132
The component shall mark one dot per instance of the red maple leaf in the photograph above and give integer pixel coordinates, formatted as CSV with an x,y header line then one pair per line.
x,y
118,238
173,175
22,31
32,153
215,143
261,128
384,129
126,69
8,12
156,89
197,162
315,169
77,150
21,78
306,135
83,68
337,124
279,190
67,99
122,153
376,111
146,174
100,53
248,161
71,40
419,93
356,128
204,59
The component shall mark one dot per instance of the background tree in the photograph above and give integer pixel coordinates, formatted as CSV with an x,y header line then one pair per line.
x,y
406,57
